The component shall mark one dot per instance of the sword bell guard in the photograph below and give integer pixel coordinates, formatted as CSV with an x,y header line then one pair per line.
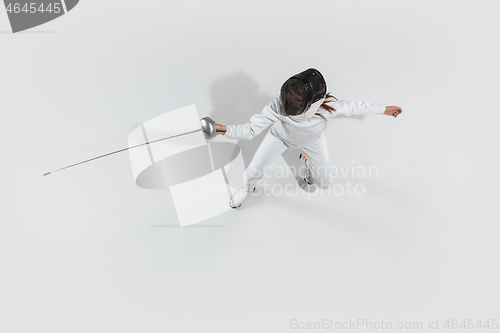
x,y
208,127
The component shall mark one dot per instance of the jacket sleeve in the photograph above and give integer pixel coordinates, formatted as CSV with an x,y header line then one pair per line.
x,y
347,108
256,124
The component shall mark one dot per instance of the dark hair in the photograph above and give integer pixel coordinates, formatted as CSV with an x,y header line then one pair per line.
x,y
328,98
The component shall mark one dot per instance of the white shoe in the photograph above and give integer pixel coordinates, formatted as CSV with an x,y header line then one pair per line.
x,y
308,178
239,196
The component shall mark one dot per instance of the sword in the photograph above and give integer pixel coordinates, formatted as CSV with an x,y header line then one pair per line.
x,y
207,127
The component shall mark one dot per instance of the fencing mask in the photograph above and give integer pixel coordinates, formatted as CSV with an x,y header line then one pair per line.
x,y
302,94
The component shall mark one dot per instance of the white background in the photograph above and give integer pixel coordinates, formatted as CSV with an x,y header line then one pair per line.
x,y
86,250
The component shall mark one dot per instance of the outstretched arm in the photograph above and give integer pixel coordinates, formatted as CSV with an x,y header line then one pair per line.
x,y
348,108
253,127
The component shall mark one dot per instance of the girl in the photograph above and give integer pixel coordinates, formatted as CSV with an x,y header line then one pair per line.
x,y
299,117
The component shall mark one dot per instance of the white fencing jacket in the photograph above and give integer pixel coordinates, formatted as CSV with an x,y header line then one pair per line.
x,y
293,133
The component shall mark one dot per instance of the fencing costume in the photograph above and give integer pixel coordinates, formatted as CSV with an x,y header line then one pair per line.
x,y
294,124
285,132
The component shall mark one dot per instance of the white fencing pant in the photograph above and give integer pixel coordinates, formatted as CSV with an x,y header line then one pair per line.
x,y
272,147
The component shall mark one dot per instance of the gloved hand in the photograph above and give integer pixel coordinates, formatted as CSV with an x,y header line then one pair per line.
x,y
221,129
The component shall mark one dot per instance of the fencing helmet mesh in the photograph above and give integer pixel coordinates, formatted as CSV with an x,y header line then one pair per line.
x,y
302,90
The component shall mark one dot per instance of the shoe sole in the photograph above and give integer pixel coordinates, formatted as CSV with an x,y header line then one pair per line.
x,y
239,204
305,180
